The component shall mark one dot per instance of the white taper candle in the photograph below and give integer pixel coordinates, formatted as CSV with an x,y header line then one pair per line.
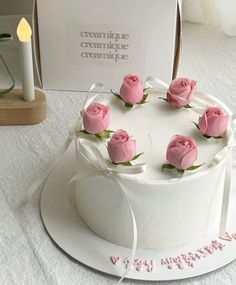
x,y
24,34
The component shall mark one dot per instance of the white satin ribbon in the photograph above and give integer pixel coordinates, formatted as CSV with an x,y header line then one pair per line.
x,y
154,82
100,167
227,181
226,195
95,87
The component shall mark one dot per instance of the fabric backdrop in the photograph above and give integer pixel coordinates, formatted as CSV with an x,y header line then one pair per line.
x,y
213,12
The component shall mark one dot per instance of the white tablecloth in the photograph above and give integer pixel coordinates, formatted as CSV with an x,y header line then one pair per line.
x,y
27,254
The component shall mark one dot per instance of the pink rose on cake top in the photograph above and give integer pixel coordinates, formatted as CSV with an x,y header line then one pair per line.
x,y
181,92
132,91
96,119
122,148
213,123
181,153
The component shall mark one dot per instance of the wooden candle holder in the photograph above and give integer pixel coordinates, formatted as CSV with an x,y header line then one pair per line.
x,y
15,111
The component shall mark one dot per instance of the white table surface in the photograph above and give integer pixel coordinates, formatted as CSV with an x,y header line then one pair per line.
x,y
27,254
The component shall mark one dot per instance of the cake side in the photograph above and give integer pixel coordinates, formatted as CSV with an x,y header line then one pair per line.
x,y
166,215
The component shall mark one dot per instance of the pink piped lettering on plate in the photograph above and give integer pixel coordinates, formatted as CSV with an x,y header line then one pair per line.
x,y
202,251
226,236
126,262
115,260
229,237
234,235
188,260
150,264
218,244
138,264
210,249
180,261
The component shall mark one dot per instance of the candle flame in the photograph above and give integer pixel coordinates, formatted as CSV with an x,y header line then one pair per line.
x,y
24,31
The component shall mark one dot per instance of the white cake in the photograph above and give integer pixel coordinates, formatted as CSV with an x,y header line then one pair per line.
x,y
169,210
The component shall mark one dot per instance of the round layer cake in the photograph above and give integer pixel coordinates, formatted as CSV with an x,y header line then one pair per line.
x,y
169,210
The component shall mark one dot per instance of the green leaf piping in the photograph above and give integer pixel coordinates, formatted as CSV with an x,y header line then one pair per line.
x,y
128,163
136,156
180,171
206,136
105,134
143,100
101,136
163,99
129,106
188,106
84,132
116,94
193,167
167,166
98,136
197,126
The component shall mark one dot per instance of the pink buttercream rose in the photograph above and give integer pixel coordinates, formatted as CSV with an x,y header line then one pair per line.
x,y
121,147
181,152
96,118
213,122
181,92
131,90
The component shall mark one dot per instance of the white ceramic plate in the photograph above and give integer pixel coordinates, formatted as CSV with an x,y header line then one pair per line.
x,y
70,234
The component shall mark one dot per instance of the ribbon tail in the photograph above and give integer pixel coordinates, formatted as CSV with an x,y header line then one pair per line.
x,y
44,175
77,177
95,87
71,191
227,183
135,232
226,198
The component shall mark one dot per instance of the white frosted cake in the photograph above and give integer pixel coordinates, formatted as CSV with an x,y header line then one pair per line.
x,y
170,208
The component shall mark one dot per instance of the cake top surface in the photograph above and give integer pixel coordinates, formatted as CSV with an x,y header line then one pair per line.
x,y
154,123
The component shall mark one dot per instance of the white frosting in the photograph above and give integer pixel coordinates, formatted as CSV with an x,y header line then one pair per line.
x,y
168,211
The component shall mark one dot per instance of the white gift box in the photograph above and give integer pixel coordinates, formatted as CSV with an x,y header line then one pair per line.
x,y
86,41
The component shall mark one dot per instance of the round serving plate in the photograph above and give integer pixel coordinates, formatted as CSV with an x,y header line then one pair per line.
x,y
68,231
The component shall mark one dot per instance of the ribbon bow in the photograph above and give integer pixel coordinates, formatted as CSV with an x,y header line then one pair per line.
x,y
99,166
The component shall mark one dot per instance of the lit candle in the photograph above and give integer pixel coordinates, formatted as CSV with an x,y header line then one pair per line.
x,y
24,34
